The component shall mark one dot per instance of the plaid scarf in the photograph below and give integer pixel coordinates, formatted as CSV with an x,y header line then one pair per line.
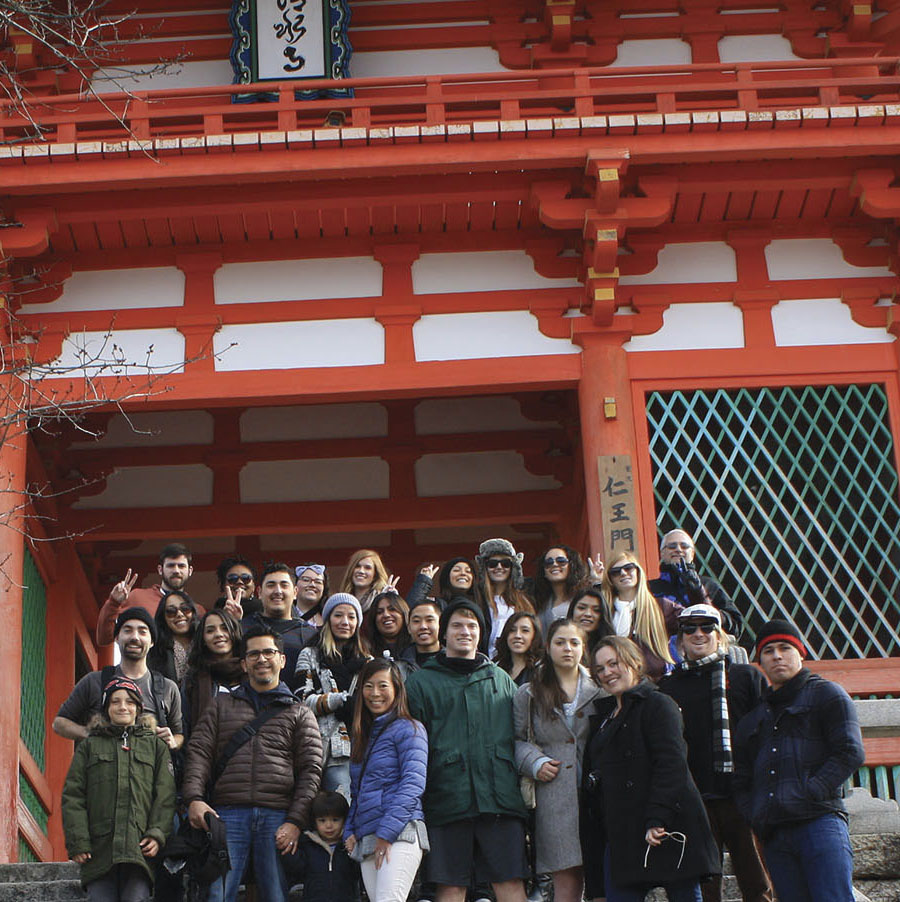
x,y
723,762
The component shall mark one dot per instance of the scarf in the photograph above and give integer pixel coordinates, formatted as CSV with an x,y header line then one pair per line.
x,y
723,762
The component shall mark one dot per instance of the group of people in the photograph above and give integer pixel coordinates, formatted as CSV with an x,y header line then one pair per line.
x,y
588,728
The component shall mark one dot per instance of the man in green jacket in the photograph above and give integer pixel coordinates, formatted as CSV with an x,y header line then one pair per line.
x,y
473,807
119,798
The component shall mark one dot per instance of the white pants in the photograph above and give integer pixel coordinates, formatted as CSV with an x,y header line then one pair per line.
x,y
393,881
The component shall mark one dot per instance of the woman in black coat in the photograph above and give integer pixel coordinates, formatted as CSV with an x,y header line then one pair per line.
x,y
657,831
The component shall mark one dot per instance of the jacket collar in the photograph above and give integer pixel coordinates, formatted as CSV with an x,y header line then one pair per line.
x,y
787,694
314,837
281,695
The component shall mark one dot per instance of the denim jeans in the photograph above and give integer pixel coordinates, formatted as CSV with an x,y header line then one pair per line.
x,y
812,861
251,829
336,778
677,890
124,883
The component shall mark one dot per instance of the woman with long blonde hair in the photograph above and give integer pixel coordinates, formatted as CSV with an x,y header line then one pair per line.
x,y
635,614
366,577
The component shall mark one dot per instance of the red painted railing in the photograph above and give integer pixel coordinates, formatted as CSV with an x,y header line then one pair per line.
x,y
452,99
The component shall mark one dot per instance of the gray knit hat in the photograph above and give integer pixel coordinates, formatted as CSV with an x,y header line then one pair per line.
x,y
503,547
342,598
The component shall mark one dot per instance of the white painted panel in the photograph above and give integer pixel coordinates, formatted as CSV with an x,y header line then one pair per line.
x,y
165,427
813,258
478,473
468,538
457,61
488,271
317,541
300,345
289,40
694,327
313,421
190,74
134,352
117,289
444,416
652,52
187,485
821,321
298,280
334,479
470,336
755,48
700,261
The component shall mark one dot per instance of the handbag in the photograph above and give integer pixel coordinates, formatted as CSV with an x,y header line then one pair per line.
x,y
526,783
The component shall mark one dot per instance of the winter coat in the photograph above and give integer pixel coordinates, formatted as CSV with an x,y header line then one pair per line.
x,y
114,797
280,767
393,781
692,692
327,875
670,584
471,743
794,751
639,761
556,828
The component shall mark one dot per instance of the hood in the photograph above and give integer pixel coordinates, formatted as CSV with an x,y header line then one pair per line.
x,y
98,725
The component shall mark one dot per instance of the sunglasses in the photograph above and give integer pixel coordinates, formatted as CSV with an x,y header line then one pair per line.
x,y
495,562
690,628
183,608
625,568
234,578
550,561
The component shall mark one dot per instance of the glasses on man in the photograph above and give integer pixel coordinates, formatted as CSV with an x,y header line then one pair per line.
x,y
499,563
678,546
625,568
182,608
234,578
266,653
690,628
550,561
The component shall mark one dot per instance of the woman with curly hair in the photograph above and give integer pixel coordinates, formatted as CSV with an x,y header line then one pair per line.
x,y
176,622
519,647
498,586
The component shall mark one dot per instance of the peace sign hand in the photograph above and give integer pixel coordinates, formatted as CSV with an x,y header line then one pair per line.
x,y
233,602
121,590
596,568
391,584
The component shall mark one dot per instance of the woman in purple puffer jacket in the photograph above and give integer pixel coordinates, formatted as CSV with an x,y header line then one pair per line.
x,y
385,829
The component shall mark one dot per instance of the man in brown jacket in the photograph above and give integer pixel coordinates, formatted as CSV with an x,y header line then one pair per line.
x,y
265,791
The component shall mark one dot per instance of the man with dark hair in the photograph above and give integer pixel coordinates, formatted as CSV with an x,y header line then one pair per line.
x,y
261,788
174,569
792,754
278,592
473,806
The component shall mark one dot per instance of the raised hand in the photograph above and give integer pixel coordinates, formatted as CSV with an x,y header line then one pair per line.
x,y
233,604
596,568
121,590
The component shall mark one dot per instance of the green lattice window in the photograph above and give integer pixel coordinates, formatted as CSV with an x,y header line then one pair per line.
x,y
792,496
34,661
33,803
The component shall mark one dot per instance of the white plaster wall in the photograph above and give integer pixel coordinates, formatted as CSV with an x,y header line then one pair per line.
x,y
444,416
117,289
700,261
164,427
755,48
694,327
189,74
187,485
331,479
313,421
652,52
474,271
384,63
299,345
298,280
135,352
476,473
468,538
470,336
317,541
821,321
813,258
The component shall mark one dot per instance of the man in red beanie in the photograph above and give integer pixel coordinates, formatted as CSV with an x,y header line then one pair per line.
x,y
793,752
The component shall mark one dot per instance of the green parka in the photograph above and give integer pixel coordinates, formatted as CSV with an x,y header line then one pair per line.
x,y
471,741
114,797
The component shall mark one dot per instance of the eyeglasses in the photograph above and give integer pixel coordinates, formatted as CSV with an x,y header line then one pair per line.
x,y
625,568
550,561
311,581
234,578
257,653
495,562
690,628
678,546
182,608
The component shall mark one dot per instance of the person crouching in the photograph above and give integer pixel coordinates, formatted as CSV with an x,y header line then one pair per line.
x,y
119,798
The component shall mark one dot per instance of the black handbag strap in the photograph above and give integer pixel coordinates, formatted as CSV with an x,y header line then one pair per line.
x,y
244,734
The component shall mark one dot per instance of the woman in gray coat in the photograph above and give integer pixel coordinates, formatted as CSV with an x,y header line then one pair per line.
x,y
557,703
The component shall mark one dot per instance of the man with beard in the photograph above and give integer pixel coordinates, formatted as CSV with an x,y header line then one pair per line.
x,y
174,569
135,633
265,788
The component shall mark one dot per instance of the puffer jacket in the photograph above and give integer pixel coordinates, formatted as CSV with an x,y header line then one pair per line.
x,y
280,767
114,797
327,873
393,781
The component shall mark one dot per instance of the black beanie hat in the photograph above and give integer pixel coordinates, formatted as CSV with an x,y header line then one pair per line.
x,y
780,631
461,603
137,613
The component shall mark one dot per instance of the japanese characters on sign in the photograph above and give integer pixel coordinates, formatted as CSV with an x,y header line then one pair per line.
x,y
617,508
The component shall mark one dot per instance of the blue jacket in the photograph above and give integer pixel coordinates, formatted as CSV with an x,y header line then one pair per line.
x,y
394,779
794,751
